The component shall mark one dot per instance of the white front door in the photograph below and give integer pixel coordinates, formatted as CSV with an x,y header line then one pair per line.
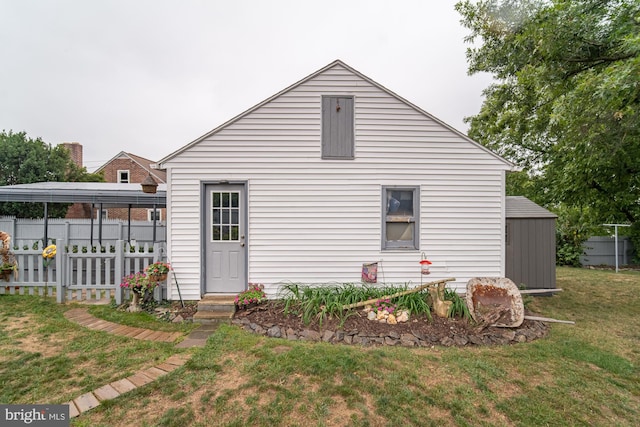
x,y
225,222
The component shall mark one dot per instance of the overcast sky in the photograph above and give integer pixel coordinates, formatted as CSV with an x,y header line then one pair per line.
x,y
148,77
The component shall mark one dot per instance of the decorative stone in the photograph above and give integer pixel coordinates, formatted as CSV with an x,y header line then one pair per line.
x,y
327,335
274,332
371,315
309,335
380,315
392,320
403,317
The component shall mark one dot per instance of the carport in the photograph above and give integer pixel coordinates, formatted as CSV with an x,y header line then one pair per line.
x,y
104,195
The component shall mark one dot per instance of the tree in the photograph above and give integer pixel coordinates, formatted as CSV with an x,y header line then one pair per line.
x,y
566,102
26,160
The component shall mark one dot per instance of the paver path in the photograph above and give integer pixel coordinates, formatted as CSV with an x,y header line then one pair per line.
x,y
93,398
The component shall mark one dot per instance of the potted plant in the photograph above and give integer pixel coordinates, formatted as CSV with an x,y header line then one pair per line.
x,y
254,295
158,271
6,268
139,284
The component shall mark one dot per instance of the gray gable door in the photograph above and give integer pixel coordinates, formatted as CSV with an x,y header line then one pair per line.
x,y
225,238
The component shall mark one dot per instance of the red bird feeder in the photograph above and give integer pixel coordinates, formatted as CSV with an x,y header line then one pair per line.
x,y
424,265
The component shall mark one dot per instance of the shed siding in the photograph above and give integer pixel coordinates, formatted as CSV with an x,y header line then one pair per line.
x,y
317,221
531,258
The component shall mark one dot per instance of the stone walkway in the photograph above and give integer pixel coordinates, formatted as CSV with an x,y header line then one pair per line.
x,y
90,400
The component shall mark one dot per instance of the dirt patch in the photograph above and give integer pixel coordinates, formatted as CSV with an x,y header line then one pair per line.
x,y
18,330
269,319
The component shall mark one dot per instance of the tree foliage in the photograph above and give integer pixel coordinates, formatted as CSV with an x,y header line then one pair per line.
x,y
26,160
565,104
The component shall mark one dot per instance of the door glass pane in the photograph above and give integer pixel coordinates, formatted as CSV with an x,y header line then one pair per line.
x,y
400,202
225,216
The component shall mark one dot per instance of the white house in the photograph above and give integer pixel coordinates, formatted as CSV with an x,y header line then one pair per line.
x,y
330,173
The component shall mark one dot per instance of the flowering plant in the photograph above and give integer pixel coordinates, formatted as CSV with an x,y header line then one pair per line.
x,y
158,268
254,294
384,304
138,282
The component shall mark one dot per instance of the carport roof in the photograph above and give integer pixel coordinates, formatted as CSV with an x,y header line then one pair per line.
x,y
105,193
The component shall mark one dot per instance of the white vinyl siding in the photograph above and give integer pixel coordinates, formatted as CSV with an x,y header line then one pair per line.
x,y
315,220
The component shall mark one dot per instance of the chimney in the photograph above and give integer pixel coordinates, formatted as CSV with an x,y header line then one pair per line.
x,y
75,151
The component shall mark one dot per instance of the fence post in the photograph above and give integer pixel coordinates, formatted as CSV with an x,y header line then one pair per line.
x,y
61,260
119,269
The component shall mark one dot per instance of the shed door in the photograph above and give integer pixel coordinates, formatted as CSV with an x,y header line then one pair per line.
x,y
225,221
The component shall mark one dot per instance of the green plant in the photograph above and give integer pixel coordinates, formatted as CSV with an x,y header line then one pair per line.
x,y
8,266
138,282
158,268
253,295
459,305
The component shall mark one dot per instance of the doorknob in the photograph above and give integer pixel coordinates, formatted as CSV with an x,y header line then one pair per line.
x,y
242,245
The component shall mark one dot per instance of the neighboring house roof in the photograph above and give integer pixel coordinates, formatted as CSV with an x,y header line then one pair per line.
x,y
106,193
159,175
311,76
521,207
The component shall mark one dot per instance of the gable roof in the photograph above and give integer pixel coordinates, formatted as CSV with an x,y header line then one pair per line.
x,y
335,63
159,175
521,207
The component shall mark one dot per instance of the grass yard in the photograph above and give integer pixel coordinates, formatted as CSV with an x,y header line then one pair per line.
x,y
587,374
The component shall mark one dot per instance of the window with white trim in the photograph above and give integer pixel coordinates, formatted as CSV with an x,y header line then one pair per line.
x,y
400,217
151,213
123,176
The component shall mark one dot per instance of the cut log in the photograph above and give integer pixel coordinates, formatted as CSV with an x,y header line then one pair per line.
x,y
539,291
548,319
398,294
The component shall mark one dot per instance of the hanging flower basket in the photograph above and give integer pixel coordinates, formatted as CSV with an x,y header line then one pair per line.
x,y
158,271
157,277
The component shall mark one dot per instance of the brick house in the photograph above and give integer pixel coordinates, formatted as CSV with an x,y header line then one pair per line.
x,y
127,168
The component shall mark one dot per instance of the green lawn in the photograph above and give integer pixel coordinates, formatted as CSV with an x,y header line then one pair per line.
x,y
585,374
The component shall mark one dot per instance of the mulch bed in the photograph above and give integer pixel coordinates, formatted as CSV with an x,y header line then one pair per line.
x,y
269,319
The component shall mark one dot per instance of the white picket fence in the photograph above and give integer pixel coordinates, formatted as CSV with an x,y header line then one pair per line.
x,y
80,272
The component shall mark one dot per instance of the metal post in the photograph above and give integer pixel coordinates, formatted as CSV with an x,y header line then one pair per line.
x,y
615,227
155,217
45,241
100,226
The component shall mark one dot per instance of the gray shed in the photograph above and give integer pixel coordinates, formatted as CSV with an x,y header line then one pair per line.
x,y
531,244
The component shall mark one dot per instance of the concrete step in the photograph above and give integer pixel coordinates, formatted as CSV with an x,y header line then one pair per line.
x,y
223,303
212,317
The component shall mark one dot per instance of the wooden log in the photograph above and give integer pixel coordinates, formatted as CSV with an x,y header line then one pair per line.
x,y
548,319
398,294
539,291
